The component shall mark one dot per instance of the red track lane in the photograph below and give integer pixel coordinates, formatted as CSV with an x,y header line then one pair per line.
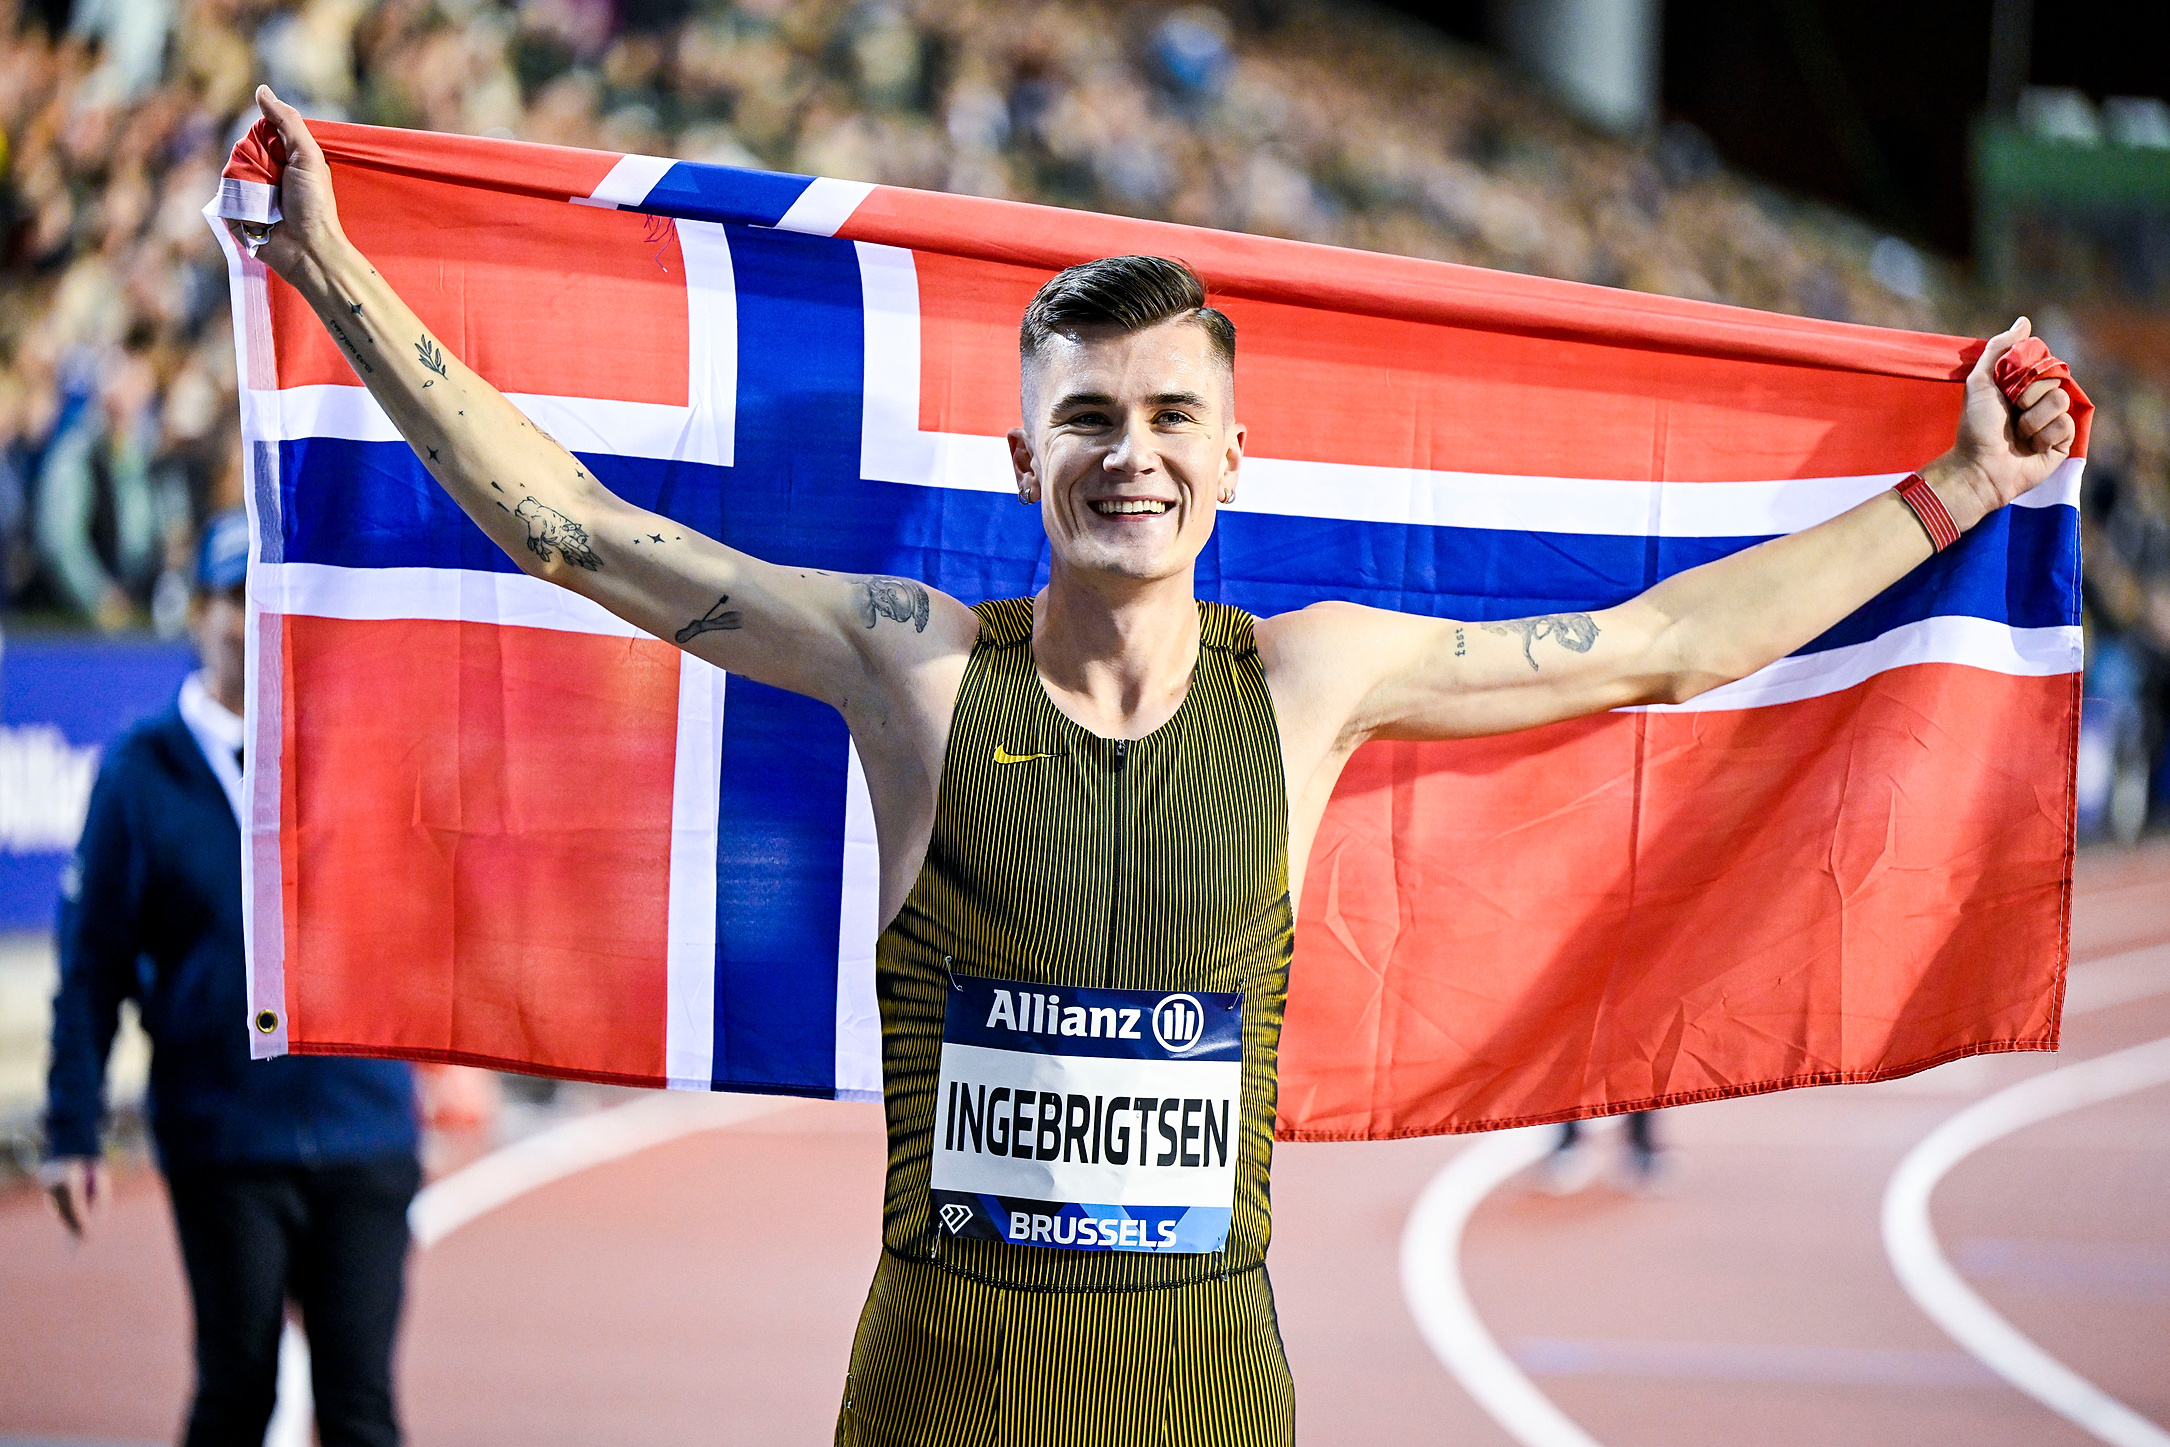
x,y
705,1291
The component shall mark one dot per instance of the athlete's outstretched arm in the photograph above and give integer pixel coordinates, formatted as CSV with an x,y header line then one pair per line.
x,y
1402,677
798,628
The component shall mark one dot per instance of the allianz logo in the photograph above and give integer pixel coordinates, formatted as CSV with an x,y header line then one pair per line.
x,y
44,788
1178,1020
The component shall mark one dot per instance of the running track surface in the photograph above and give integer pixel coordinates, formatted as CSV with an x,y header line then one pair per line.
x,y
705,1290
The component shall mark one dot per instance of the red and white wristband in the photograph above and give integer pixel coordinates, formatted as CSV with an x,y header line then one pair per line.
x,y
1929,511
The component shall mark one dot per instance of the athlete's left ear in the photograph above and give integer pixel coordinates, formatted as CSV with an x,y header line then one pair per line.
x,y
1025,466
1231,463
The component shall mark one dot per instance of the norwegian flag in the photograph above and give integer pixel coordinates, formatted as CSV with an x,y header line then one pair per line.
x,y
489,822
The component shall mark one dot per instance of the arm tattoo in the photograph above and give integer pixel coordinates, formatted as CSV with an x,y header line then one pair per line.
x,y
898,598
1461,643
548,528
352,350
1572,631
431,357
715,620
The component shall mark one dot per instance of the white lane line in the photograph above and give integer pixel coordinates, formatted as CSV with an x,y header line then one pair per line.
x,y
445,1205
1448,1321
1910,1240
1431,1283
1736,1361
2099,984
2118,979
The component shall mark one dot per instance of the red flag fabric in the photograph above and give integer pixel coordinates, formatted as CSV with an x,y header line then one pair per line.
x,y
2029,361
1851,866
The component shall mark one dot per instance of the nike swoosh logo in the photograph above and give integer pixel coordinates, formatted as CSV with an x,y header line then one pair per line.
x,y
1004,756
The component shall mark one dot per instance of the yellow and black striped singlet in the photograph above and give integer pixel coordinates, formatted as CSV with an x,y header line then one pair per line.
x,y
1161,864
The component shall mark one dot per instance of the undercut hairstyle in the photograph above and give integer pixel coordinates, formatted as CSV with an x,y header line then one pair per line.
x,y
1127,292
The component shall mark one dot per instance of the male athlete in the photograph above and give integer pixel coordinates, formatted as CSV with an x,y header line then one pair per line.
x,y
1097,801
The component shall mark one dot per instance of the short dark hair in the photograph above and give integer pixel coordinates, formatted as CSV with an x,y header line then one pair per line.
x,y
1130,292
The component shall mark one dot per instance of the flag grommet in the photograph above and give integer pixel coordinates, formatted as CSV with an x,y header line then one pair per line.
x,y
266,1021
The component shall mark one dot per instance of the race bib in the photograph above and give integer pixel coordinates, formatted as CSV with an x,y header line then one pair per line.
x,y
1093,1120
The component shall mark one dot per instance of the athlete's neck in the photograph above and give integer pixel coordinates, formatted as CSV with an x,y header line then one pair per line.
x,y
1116,654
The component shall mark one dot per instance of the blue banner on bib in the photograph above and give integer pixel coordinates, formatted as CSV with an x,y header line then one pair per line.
x,y
1088,1119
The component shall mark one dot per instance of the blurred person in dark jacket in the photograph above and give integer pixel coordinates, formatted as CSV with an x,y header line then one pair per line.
x,y
289,1178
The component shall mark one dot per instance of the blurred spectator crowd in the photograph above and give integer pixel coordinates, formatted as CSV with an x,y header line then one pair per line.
x,y
1324,122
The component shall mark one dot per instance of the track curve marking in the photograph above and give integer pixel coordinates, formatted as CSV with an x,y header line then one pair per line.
x,y
1431,1283
1910,1239
558,1151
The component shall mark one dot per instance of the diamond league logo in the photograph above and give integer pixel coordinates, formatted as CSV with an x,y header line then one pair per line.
x,y
954,1215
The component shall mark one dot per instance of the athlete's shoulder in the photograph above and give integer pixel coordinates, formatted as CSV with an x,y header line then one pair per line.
x,y
1320,626
1337,646
934,622
1004,622
1226,629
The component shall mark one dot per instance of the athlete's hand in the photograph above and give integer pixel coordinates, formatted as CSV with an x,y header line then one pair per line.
x,y
2002,450
76,1186
310,229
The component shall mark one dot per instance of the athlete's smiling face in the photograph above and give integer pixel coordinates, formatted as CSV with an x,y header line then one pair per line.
x,y
1129,447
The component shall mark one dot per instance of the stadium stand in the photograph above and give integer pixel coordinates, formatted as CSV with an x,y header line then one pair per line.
x,y
1327,123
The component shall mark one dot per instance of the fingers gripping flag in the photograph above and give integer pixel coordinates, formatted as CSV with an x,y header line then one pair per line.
x,y
488,822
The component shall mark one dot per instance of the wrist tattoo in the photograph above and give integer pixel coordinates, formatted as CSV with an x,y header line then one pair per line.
x,y
898,598
431,357
548,530
1574,632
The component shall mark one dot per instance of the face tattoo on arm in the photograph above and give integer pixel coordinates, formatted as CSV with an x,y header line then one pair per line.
x,y
1573,631
898,598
